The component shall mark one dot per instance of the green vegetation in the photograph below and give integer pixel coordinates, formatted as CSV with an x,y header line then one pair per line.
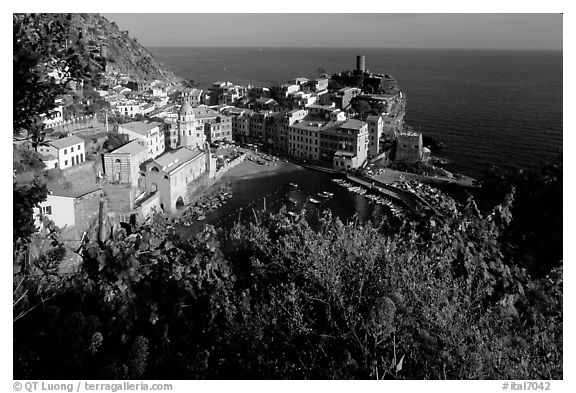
x,y
279,299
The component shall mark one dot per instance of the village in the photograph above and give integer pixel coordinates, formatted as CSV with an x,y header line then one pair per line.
x,y
173,143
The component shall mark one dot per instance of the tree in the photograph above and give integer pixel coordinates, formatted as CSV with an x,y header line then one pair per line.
x,y
44,44
115,140
280,299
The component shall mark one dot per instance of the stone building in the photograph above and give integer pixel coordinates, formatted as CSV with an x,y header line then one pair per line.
x,y
171,173
409,147
123,164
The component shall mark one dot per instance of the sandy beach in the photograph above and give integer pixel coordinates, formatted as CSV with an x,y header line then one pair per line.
x,y
249,168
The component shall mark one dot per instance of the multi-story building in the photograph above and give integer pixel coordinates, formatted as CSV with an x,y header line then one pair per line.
x,y
344,143
123,164
219,129
128,108
226,93
170,174
151,133
375,131
241,123
68,151
304,139
171,136
290,118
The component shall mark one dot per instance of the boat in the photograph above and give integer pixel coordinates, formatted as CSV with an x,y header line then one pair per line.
x,y
312,200
201,218
322,195
294,185
329,193
292,214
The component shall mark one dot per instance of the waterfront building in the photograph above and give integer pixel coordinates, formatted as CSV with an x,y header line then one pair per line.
x,y
122,166
69,151
375,131
241,123
219,129
273,131
171,173
409,147
348,138
150,133
304,139
258,126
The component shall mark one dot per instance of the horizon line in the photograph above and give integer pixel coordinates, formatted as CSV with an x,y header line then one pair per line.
x,y
349,47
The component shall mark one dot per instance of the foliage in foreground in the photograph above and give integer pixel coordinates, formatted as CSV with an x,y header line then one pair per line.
x,y
278,299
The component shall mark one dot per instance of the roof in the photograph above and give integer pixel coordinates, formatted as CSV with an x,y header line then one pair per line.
x,y
133,147
373,117
66,142
173,160
204,112
344,153
353,124
310,125
186,108
139,127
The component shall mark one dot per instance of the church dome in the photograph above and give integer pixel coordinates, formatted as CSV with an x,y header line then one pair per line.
x,y
186,109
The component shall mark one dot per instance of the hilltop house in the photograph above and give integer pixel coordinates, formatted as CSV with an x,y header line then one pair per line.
x,y
63,153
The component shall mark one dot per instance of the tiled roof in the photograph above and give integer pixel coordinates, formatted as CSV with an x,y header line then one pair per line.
x,y
66,142
174,159
139,127
134,147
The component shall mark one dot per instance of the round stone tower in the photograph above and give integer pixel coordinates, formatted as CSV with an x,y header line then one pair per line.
x,y
186,125
361,63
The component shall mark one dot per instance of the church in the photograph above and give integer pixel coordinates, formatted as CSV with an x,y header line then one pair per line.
x,y
173,173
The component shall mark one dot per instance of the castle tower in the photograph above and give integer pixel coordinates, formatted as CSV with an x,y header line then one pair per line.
x,y
187,133
361,63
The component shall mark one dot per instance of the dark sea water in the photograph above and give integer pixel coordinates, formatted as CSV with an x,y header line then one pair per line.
x,y
487,107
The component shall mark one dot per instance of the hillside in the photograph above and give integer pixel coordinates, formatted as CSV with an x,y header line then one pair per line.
x,y
125,54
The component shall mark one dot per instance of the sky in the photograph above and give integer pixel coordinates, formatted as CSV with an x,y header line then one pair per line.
x,y
458,31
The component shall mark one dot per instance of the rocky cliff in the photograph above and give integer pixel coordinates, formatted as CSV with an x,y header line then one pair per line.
x,y
124,53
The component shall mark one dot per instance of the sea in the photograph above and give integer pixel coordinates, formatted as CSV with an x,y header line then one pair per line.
x,y
486,107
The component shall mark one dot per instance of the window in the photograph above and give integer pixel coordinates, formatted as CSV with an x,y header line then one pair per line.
x,y
78,147
72,149
65,152
65,162
46,210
